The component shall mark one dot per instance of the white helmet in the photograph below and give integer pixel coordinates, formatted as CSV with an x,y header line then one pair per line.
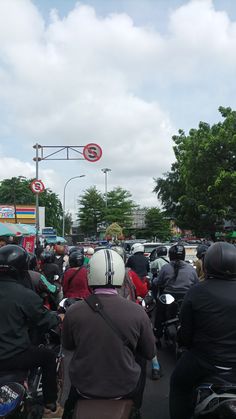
x,y
137,247
90,251
106,269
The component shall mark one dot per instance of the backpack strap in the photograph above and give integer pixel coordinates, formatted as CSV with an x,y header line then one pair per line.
x,y
95,304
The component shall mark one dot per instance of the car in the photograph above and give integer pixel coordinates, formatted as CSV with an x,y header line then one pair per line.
x,y
149,247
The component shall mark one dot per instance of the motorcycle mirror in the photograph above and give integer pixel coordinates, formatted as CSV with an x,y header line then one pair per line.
x,y
166,299
62,303
143,303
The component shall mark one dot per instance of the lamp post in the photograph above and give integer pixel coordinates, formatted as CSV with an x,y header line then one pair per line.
x,y
64,202
105,171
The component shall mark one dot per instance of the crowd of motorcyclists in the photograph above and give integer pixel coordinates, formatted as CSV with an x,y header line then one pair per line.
x,y
108,328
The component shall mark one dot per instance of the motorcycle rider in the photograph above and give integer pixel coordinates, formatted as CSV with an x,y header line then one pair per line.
x,y
175,278
201,251
137,262
160,259
75,281
117,372
19,308
207,328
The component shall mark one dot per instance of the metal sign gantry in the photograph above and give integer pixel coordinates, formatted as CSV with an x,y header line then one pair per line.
x,y
91,152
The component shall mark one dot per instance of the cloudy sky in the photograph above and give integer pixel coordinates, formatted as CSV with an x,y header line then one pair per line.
x,y
125,74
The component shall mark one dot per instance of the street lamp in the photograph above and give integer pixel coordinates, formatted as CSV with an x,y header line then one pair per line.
x,y
64,202
105,171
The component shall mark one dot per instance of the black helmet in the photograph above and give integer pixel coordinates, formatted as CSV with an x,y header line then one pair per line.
x,y
32,261
177,252
13,259
47,257
201,250
220,260
76,259
161,251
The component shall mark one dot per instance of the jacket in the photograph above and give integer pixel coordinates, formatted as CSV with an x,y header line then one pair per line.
x,y
20,308
185,278
102,365
208,321
139,264
75,283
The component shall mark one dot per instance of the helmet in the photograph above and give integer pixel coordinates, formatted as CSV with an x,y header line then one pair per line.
x,y
121,251
161,251
13,259
32,261
106,269
220,260
201,250
47,257
76,259
137,247
90,251
177,252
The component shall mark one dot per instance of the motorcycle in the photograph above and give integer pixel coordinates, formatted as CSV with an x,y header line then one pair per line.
x,y
170,323
215,398
21,391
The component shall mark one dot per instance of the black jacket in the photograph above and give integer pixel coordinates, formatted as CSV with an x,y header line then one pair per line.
x,y
20,309
208,321
139,264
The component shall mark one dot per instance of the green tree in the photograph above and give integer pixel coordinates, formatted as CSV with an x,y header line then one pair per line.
x,y
119,207
91,211
16,191
200,190
157,225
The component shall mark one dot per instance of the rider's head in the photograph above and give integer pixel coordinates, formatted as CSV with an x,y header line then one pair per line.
x,y
32,261
177,252
106,269
137,248
13,260
76,259
201,251
220,261
161,251
47,257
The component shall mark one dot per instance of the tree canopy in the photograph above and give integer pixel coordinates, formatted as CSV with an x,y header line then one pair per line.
x,y
200,189
94,212
91,211
157,225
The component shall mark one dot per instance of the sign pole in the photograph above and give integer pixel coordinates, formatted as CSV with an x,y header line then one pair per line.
x,y
37,195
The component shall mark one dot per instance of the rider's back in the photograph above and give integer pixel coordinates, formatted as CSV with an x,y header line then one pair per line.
x,y
213,314
18,305
103,366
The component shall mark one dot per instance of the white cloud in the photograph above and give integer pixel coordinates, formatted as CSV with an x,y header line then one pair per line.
x,y
83,79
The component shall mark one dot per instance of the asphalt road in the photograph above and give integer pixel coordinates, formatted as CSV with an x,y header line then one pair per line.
x,y
155,402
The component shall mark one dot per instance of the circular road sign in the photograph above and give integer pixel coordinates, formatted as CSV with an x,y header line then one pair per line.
x,y
37,186
92,152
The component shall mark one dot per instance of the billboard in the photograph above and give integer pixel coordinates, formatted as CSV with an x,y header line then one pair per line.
x,y
7,211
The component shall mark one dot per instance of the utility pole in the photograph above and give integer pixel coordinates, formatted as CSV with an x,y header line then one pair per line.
x,y
105,171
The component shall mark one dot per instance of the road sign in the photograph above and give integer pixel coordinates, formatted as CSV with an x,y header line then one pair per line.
x,y
37,186
92,152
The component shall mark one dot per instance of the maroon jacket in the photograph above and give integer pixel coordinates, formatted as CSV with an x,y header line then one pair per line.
x,y
75,283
